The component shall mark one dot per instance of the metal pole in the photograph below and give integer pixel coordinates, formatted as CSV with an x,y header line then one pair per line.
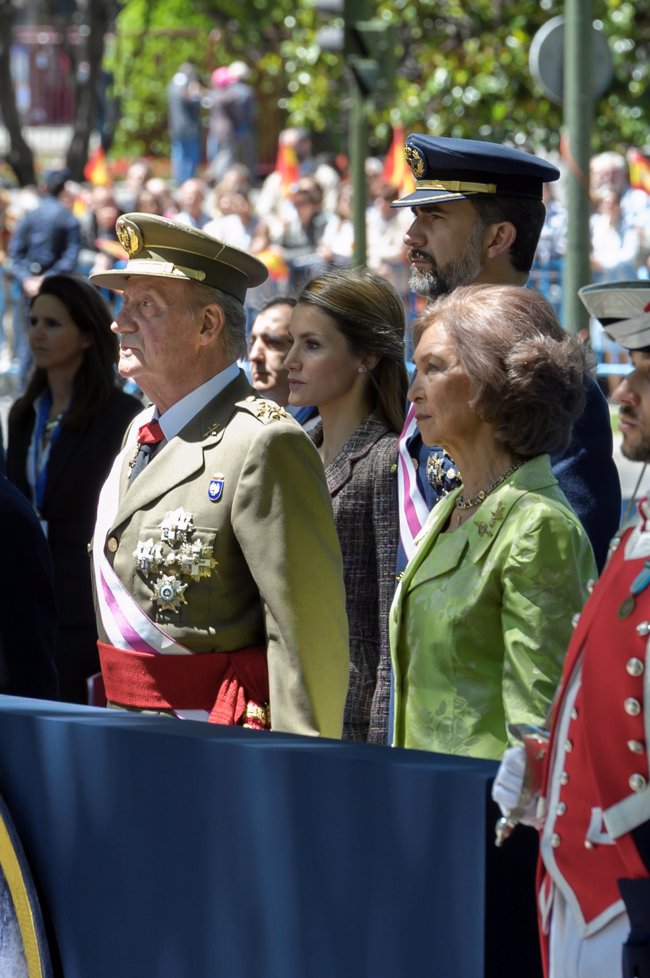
x,y
358,151
578,121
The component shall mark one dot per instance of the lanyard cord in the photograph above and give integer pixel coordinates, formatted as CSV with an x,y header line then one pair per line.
x,y
45,434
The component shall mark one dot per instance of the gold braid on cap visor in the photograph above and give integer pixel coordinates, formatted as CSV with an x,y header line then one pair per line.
x,y
457,186
150,266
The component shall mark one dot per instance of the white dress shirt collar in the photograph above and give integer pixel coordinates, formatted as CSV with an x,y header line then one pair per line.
x,y
178,415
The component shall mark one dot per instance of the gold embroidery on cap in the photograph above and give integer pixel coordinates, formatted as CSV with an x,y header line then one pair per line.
x,y
415,160
129,236
189,272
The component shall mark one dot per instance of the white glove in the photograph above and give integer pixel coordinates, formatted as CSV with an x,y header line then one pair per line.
x,y
508,789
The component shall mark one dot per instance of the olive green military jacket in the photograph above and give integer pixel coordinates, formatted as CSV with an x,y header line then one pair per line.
x,y
269,569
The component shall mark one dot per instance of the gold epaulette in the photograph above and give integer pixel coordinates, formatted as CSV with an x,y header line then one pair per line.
x,y
264,410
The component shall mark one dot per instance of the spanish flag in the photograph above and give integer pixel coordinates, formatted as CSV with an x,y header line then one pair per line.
x,y
396,171
286,165
639,170
96,169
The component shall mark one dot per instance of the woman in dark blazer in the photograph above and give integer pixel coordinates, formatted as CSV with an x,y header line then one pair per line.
x,y
347,358
63,435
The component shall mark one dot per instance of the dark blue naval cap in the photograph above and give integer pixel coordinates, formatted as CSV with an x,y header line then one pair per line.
x,y
452,169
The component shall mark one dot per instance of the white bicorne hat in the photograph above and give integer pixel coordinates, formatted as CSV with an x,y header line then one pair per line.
x,y
622,309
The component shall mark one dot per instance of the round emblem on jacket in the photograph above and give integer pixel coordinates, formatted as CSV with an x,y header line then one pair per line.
x,y
637,782
634,667
632,707
168,593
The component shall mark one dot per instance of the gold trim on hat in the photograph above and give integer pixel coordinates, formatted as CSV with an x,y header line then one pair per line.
x,y
192,273
149,266
457,186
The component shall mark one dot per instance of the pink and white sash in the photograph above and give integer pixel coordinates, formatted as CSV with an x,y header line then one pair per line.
x,y
125,623
413,509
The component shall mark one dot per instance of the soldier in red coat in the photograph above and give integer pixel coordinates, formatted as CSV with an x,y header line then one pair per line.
x,y
592,807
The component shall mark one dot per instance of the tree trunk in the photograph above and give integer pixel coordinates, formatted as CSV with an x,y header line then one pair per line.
x,y
87,85
19,157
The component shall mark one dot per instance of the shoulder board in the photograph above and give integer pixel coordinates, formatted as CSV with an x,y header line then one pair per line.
x,y
264,410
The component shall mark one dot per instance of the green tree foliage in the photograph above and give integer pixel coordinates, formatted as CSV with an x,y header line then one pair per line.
x,y
462,69
152,40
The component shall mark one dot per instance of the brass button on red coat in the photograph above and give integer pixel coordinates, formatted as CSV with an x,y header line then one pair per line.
x,y
568,745
561,808
636,746
564,778
574,714
637,782
632,707
588,844
634,667
555,840
643,628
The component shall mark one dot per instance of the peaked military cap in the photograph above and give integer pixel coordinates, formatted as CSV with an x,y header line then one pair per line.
x,y
452,169
622,309
167,249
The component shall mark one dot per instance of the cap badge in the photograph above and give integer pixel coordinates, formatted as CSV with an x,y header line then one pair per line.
x,y
129,236
415,160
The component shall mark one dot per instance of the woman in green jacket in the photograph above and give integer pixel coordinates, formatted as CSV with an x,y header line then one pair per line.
x,y
482,616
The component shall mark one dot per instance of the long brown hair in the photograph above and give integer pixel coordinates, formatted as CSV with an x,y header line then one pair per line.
x,y
369,313
96,378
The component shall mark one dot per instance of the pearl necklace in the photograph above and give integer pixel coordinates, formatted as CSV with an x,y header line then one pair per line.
x,y
480,497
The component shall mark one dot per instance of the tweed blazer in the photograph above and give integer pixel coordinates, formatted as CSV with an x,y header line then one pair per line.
x,y
363,485
274,575
482,618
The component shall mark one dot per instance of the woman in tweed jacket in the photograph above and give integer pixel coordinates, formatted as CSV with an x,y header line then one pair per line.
x,y
347,357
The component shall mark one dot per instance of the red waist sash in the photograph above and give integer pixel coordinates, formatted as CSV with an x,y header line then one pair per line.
x,y
232,686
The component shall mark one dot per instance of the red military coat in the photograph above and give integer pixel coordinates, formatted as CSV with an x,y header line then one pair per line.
x,y
595,790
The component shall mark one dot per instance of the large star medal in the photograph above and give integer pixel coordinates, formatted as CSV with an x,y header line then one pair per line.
x,y
168,593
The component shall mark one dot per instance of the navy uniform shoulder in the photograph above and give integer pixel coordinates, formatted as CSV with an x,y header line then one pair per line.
x,y
265,411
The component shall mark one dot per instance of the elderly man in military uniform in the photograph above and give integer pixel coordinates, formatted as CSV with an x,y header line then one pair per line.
x,y
218,575
593,803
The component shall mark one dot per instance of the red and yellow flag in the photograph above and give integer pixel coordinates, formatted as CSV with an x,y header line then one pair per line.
x,y
96,169
286,165
639,170
396,171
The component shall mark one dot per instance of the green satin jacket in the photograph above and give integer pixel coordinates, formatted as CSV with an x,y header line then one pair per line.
x,y
481,620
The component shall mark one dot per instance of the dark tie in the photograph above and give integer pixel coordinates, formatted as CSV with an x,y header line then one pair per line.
x,y
149,435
